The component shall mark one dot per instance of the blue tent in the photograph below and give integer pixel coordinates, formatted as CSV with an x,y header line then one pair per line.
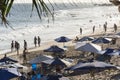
x,y
101,40
7,59
54,49
86,39
6,75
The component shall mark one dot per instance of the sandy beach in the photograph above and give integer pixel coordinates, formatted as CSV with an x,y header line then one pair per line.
x,y
77,56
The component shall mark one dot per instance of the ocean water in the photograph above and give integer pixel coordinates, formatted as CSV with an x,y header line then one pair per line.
x,y
68,19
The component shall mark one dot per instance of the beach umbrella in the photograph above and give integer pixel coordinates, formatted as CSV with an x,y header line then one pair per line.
x,y
116,53
112,36
39,59
86,39
110,51
9,73
54,49
87,47
7,59
56,77
56,61
101,40
92,65
15,65
62,39
118,33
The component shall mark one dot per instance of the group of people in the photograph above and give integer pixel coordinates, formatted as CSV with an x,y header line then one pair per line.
x,y
15,45
37,40
104,26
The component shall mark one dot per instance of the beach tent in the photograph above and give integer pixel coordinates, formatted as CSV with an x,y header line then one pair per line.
x,y
87,47
7,59
86,39
62,39
40,58
101,40
9,73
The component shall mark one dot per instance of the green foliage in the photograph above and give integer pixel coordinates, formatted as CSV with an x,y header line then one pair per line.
x,y
40,5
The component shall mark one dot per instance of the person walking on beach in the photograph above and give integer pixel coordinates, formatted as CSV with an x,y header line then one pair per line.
x,y
93,29
24,56
39,41
25,45
12,46
35,41
106,23
81,31
105,27
115,28
17,47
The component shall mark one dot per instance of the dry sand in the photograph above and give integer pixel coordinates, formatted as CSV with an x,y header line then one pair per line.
x,y
77,55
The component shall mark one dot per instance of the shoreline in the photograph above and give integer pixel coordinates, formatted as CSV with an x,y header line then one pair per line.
x,y
71,43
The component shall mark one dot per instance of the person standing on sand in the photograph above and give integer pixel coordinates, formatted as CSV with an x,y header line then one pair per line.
x,y
81,31
35,41
115,28
17,47
93,29
24,56
106,23
39,41
25,45
105,27
12,46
